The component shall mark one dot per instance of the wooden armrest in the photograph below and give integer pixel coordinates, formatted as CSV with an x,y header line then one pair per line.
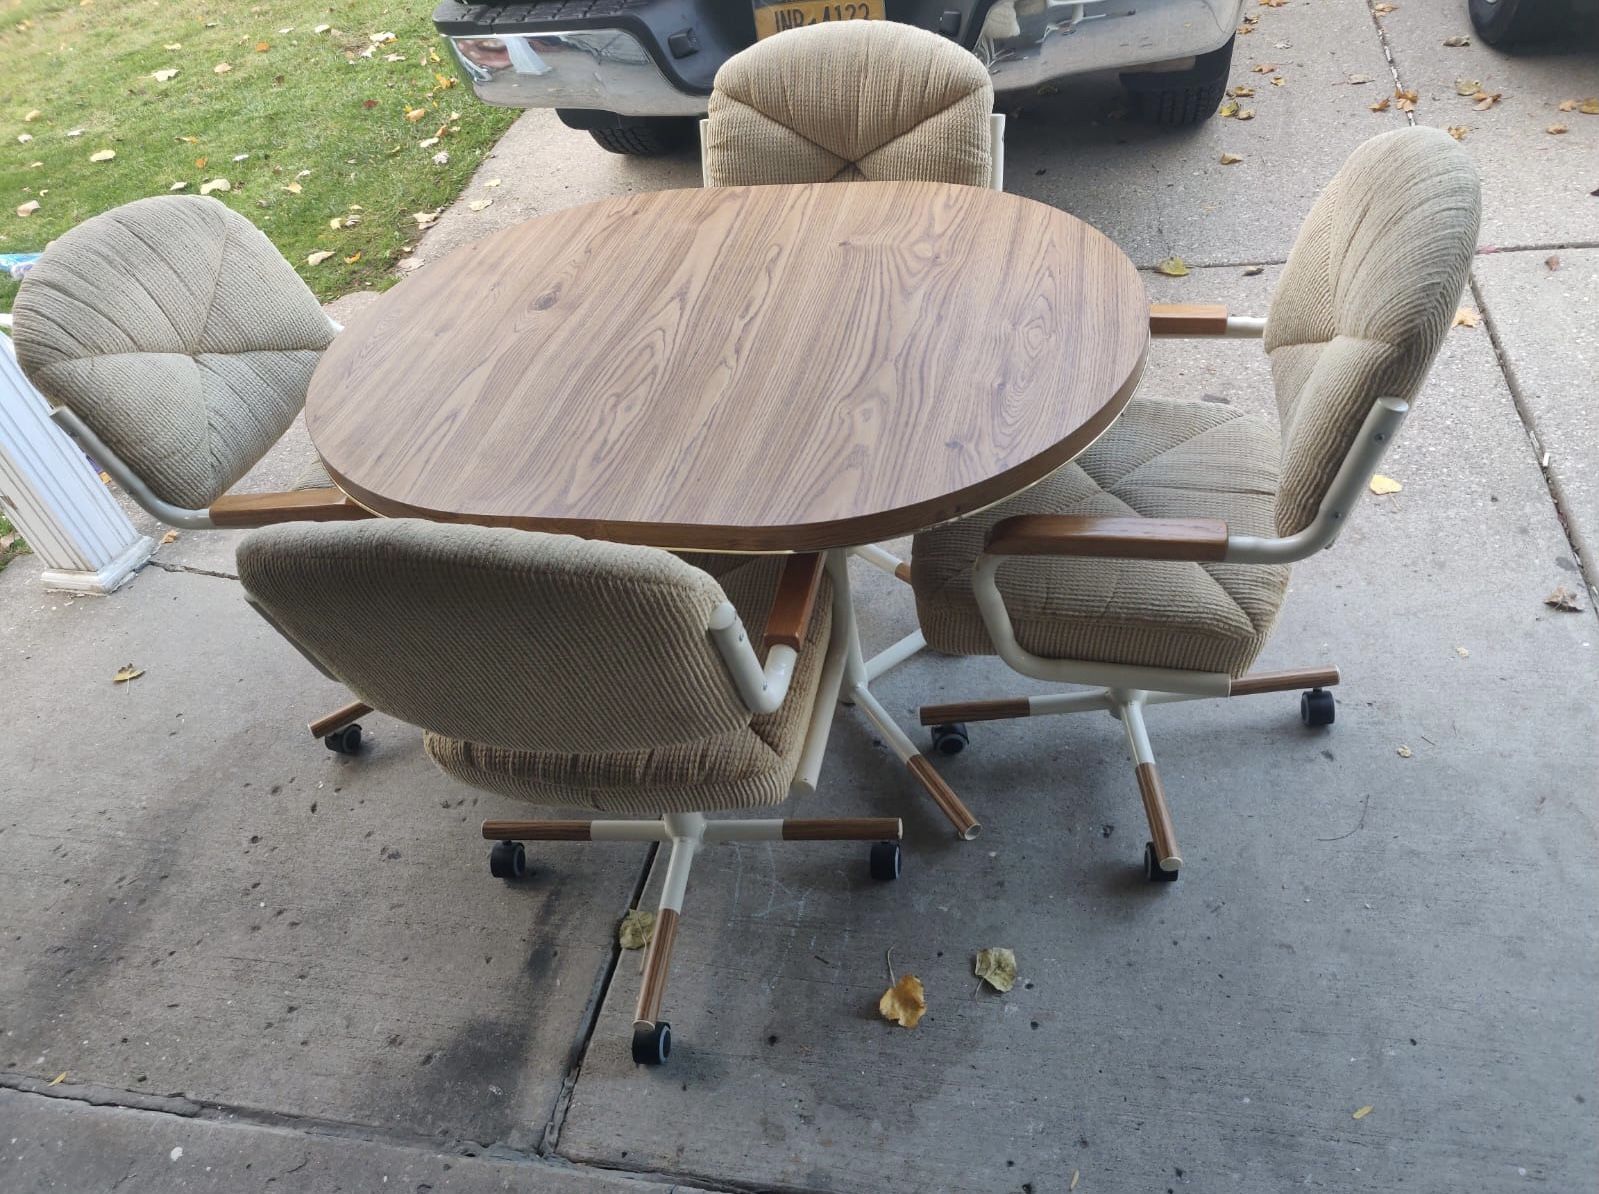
x,y
1187,319
793,602
299,505
1117,538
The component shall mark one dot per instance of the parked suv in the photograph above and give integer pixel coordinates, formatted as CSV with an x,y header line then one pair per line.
x,y
634,73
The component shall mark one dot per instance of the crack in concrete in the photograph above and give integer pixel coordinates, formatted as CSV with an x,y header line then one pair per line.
x,y
1388,55
190,569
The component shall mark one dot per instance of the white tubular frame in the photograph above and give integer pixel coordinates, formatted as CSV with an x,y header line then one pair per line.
x,y
762,689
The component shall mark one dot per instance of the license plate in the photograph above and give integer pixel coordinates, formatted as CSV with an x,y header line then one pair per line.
x,y
774,18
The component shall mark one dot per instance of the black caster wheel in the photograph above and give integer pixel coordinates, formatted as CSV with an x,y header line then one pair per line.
x,y
950,739
652,1043
344,741
508,860
1152,871
885,861
1317,708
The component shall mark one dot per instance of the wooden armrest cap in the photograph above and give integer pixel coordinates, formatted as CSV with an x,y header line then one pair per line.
x,y
793,602
1109,537
1187,319
299,505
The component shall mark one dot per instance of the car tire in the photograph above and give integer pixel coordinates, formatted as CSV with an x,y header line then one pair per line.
x,y
1513,22
647,137
1180,98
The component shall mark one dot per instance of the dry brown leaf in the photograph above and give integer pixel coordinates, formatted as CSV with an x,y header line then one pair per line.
x,y
1458,131
164,76
1228,108
1271,3
127,672
1253,271
415,114
1380,106
1362,1112
996,967
1552,263
1278,81
1457,41
425,219
905,1002
1465,86
1382,486
1567,105
1564,600
1487,99
1230,159
319,257
221,68
102,155
262,47
1589,106
353,258
1404,752
1241,91
1555,129
216,184
1173,267
1244,114
1264,68
1383,10
169,537
1465,317
199,163
1405,99
28,208
636,929
293,188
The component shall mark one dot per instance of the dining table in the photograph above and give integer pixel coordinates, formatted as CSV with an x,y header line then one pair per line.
x,y
813,368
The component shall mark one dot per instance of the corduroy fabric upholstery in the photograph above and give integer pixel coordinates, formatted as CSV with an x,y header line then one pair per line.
x,y
178,334
313,476
556,669
850,100
1366,299
1159,460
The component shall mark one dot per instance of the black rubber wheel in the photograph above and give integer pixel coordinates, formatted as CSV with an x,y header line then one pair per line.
x,y
886,858
1317,707
648,137
1515,22
652,1043
345,740
1152,871
508,860
951,738
1180,98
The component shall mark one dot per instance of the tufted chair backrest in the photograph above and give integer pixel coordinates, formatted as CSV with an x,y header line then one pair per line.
x,y
850,100
1367,296
178,334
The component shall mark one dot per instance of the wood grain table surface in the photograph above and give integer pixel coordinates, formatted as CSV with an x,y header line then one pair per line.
x,y
782,368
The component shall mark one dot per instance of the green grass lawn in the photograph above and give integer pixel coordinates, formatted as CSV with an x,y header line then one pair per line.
x,y
11,544
326,130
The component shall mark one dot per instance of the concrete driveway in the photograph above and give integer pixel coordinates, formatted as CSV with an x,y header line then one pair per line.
x,y
233,961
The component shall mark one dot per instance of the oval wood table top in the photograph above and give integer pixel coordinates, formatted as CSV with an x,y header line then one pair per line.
x,y
778,368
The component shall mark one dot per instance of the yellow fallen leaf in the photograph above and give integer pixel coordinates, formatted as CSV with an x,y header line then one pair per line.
x,y
1075,1175
1383,10
1464,86
480,204
199,163
321,28
164,76
1404,752
353,258
261,47
1172,267
169,537
102,155
1555,129
1465,317
59,1078
28,208
31,116
319,257
1458,131
336,223
1380,106
905,1002
425,219
173,45
293,188
1568,105
221,68
1589,106
427,143
1244,114
127,672
996,967
1278,81
216,184
1405,99
1362,1112
415,114
1228,108
179,186
1564,600
636,929
1230,159
1381,485
1241,91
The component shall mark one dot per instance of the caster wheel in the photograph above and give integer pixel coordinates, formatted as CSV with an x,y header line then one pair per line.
x,y
1317,708
950,739
508,860
1152,871
652,1043
885,861
344,741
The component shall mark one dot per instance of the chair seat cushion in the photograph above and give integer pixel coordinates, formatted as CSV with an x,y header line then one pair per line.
x,y
313,476
748,767
1159,460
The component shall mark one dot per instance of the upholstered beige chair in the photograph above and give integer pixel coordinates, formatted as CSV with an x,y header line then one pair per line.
x,y
1152,567
848,101
177,345
567,672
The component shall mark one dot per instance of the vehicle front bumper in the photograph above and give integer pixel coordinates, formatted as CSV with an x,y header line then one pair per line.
x,y
659,57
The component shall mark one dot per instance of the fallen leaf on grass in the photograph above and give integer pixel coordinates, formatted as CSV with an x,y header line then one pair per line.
x,y
1555,129
321,28
415,114
127,672
1404,752
24,138
636,929
353,258
1465,317
221,68
1552,263
173,45
1380,106
164,76
169,537
1458,131
1382,486
1457,41
28,208
905,1002
30,116
442,158
73,133
1230,159
996,967
427,143
293,188
319,257
179,186
480,204
102,155
216,184
1564,600
199,163
261,47
1173,267
426,219
1362,1112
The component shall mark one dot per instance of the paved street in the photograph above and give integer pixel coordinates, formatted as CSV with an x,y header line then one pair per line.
x,y
232,961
